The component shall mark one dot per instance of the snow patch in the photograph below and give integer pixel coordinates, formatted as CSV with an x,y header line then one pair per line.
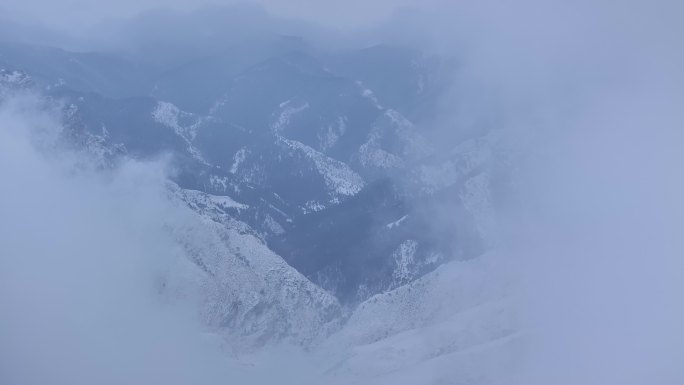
x,y
202,202
328,137
404,261
397,222
392,143
452,323
219,183
238,158
285,115
339,177
13,81
372,156
167,114
273,226
368,94
312,207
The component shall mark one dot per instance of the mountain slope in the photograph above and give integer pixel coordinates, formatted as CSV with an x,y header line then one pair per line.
x,y
322,171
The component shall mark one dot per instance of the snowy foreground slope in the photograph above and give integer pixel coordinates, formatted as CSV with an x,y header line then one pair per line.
x,y
451,326
247,292
454,325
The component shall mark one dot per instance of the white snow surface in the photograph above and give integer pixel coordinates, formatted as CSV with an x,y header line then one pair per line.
x,y
405,262
248,294
312,207
407,143
396,223
368,94
328,136
340,179
451,326
286,114
238,158
201,201
456,325
184,124
13,80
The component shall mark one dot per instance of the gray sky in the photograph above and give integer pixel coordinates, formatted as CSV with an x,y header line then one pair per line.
x,y
67,13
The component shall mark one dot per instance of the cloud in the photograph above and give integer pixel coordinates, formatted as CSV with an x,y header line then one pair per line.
x,y
592,208
82,256
586,96
63,13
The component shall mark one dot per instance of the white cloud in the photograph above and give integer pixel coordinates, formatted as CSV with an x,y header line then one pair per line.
x,y
82,255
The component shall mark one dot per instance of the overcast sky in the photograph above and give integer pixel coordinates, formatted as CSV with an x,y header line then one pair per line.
x,y
330,12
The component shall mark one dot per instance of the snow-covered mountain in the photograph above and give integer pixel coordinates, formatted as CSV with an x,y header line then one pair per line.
x,y
453,323
306,192
248,292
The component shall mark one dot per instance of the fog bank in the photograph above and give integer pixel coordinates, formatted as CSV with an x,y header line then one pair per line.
x,y
82,257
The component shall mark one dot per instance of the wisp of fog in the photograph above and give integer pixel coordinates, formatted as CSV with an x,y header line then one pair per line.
x,y
590,96
82,258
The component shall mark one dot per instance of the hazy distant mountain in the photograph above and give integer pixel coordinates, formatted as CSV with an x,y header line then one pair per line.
x,y
315,146
329,171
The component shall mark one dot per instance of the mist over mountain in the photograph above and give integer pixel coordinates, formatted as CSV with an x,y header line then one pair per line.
x,y
289,130
221,194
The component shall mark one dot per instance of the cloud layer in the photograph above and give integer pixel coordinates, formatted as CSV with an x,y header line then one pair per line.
x,y
82,256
